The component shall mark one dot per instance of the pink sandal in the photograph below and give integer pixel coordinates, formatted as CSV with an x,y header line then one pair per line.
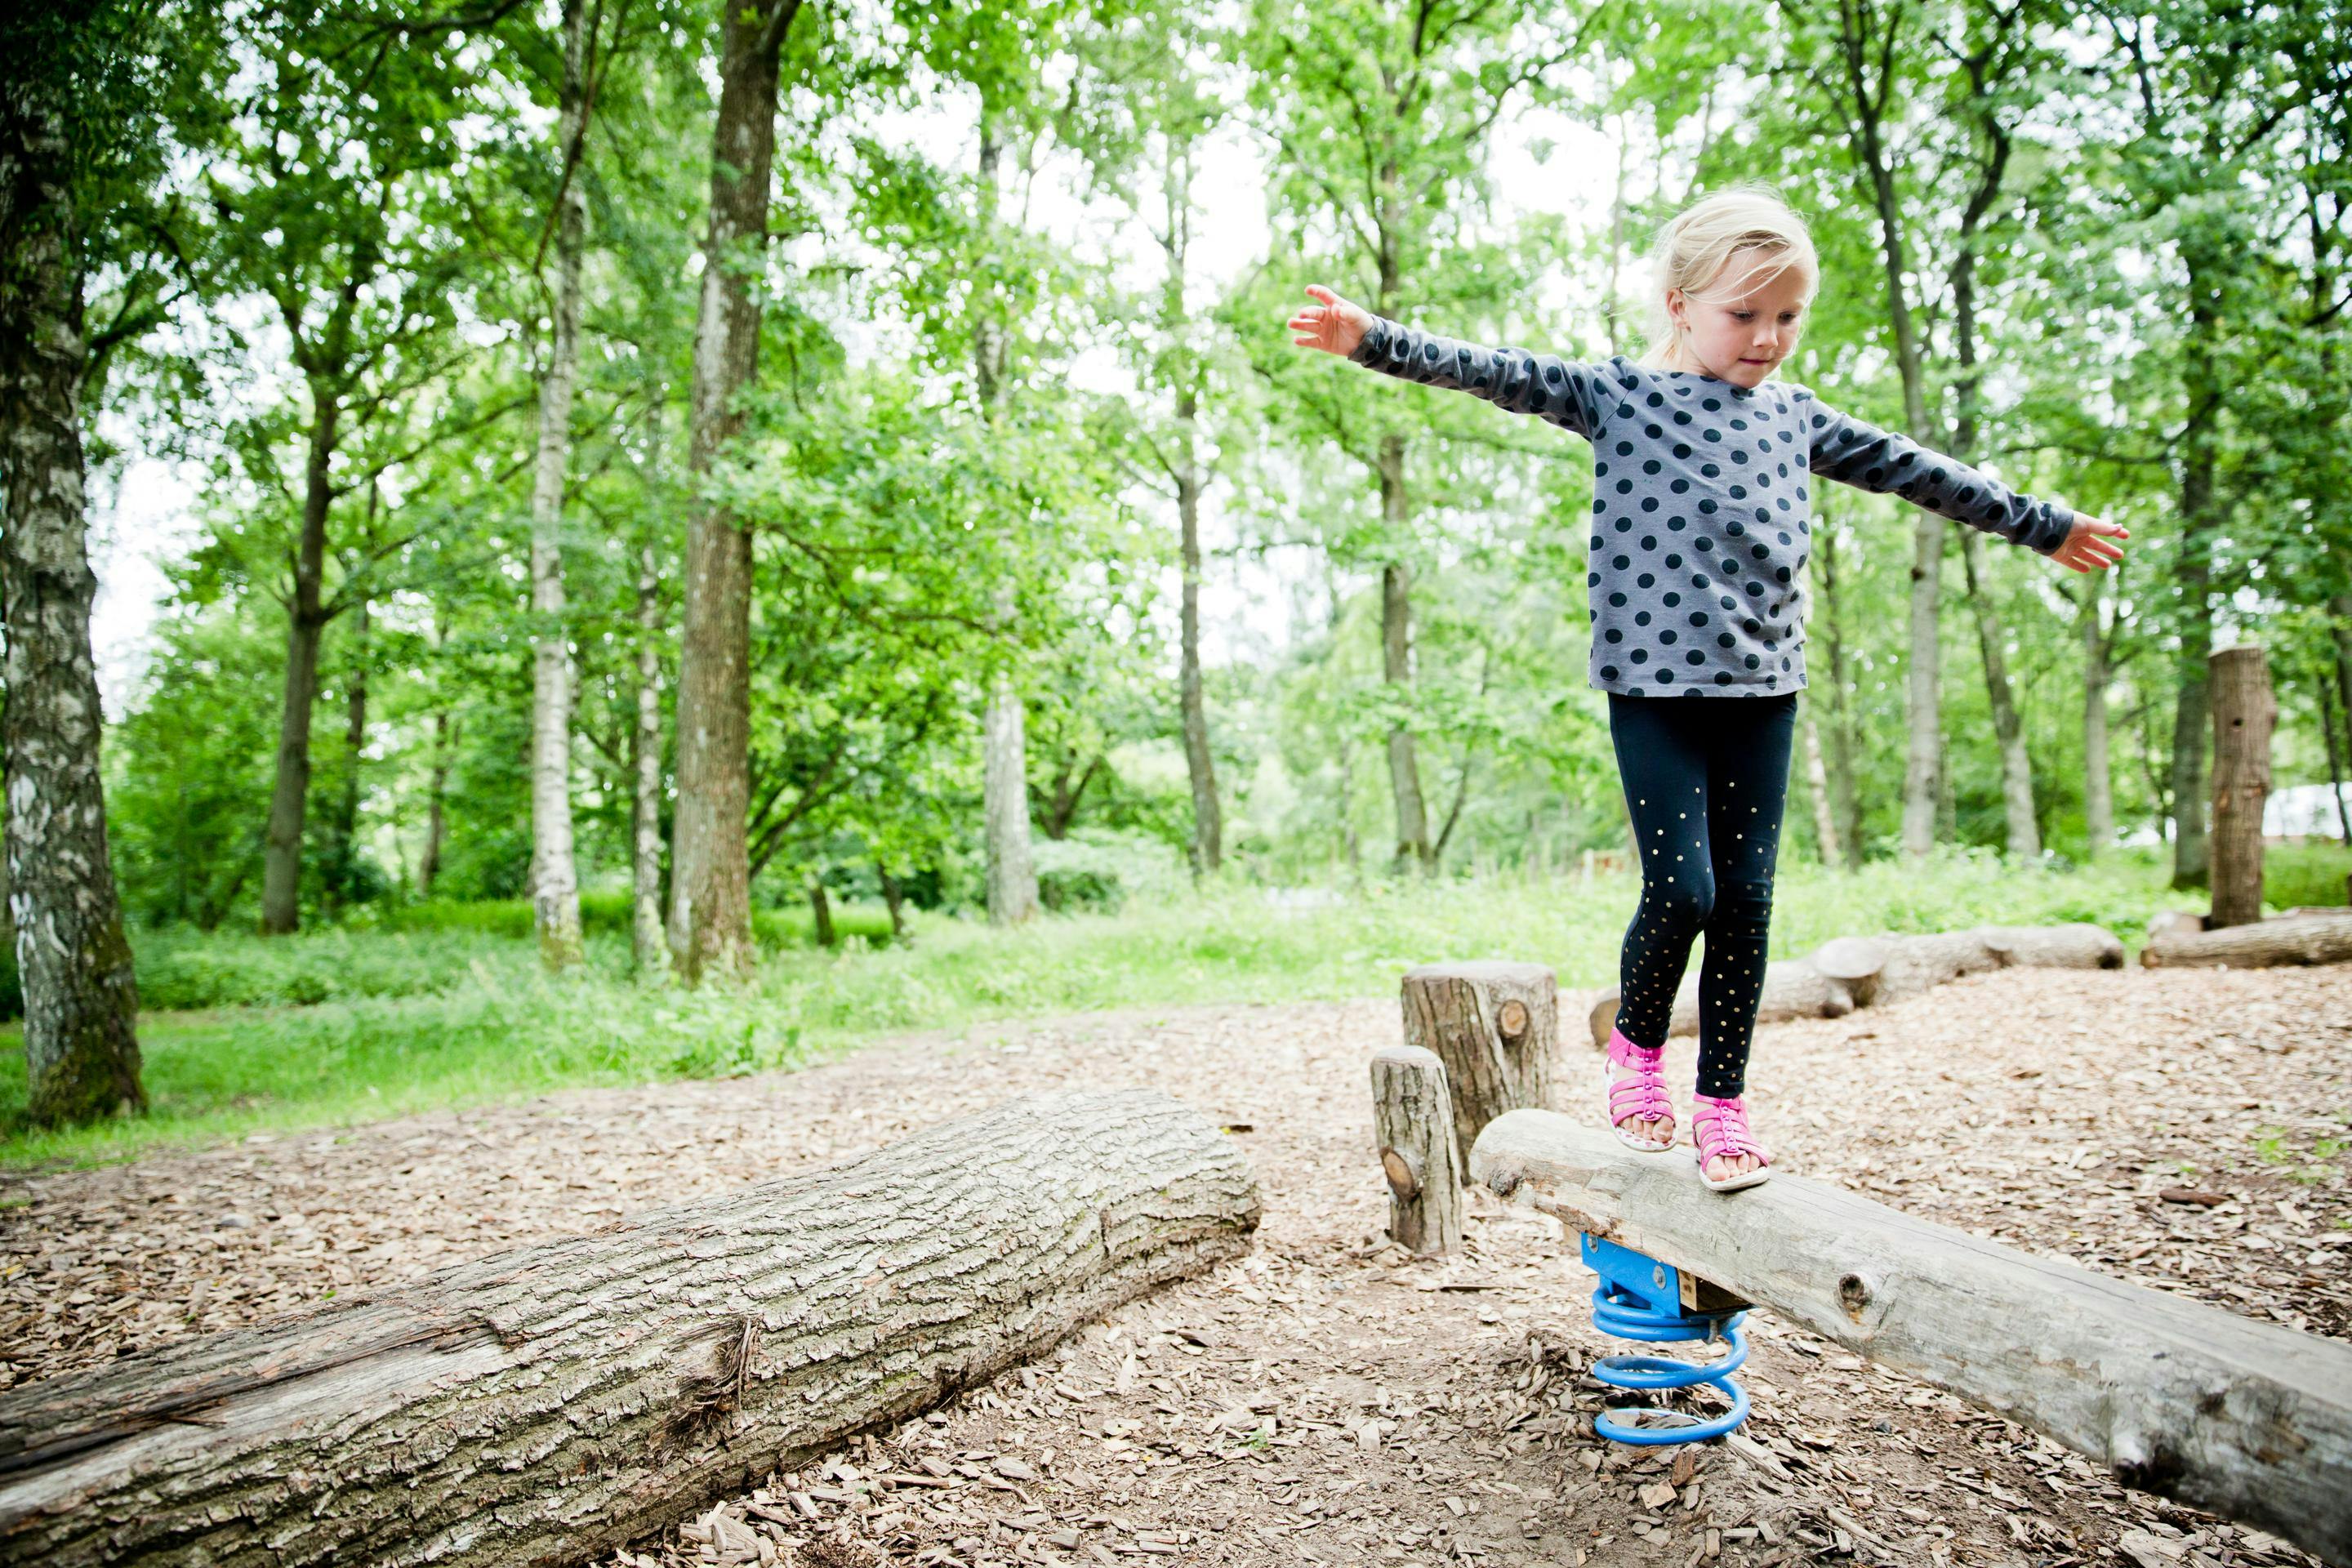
x,y
1642,1097
1719,1130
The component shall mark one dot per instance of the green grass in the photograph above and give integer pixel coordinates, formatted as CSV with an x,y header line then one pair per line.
x,y
401,1020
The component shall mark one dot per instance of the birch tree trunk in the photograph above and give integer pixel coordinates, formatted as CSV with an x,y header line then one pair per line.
x,y
2098,781
81,1053
555,876
1005,778
1011,869
710,866
546,1405
2193,577
646,943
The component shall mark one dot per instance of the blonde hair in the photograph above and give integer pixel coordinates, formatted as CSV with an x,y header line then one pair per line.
x,y
1697,245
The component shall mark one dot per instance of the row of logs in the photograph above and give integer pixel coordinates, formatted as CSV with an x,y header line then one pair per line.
x,y
1479,1037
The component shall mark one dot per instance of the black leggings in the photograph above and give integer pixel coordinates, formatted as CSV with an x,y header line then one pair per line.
x,y
1704,781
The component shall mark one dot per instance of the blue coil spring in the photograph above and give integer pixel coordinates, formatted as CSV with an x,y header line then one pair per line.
x,y
1639,1297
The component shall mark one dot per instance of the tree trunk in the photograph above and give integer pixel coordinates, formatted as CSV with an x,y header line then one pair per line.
x,y
1004,780
2244,715
1817,786
2340,620
355,706
1412,1118
710,868
2334,759
1840,762
1922,771
549,1405
2016,767
81,1004
1396,664
1012,871
646,943
2193,573
428,864
894,898
1496,1027
2098,781
821,914
554,875
306,621
1208,820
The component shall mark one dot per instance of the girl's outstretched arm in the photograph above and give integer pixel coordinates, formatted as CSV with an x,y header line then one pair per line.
x,y
1855,453
1566,393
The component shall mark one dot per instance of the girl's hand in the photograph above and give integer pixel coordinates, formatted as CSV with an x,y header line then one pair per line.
x,y
2086,549
1335,326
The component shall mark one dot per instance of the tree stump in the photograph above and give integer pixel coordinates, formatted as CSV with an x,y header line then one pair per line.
x,y
1495,1025
2244,714
546,1405
1412,1115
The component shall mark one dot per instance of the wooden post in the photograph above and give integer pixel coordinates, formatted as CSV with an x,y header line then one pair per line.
x,y
2244,714
2249,1419
1495,1026
1413,1116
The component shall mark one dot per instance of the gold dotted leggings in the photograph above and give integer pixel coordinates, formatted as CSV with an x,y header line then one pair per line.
x,y
1704,781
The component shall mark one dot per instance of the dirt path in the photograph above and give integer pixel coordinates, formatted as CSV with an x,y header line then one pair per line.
x,y
1325,1401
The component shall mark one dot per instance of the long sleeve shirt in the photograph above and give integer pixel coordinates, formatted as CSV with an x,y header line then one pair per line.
x,y
1701,522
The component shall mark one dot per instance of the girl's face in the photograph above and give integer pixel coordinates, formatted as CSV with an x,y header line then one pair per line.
x,y
1742,340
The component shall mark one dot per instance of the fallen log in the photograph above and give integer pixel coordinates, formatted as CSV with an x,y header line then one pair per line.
x,y
546,1405
2323,936
2250,1420
1850,972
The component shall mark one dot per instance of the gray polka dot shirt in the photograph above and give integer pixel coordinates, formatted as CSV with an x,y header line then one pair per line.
x,y
1701,527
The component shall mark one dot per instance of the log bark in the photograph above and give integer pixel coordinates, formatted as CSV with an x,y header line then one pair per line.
x,y
2250,1420
546,1405
1496,1027
1412,1115
1847,972
2289,938
2244,714
554,873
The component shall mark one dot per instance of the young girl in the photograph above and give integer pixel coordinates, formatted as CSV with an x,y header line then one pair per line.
x,y
1700,534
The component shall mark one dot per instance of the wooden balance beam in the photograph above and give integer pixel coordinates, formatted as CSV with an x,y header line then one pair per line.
x,y
2249,1420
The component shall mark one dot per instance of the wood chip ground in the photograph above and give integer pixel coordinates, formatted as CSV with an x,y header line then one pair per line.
x,y
1327,1400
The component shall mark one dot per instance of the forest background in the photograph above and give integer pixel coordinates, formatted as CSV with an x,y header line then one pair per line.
x,y
874,395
